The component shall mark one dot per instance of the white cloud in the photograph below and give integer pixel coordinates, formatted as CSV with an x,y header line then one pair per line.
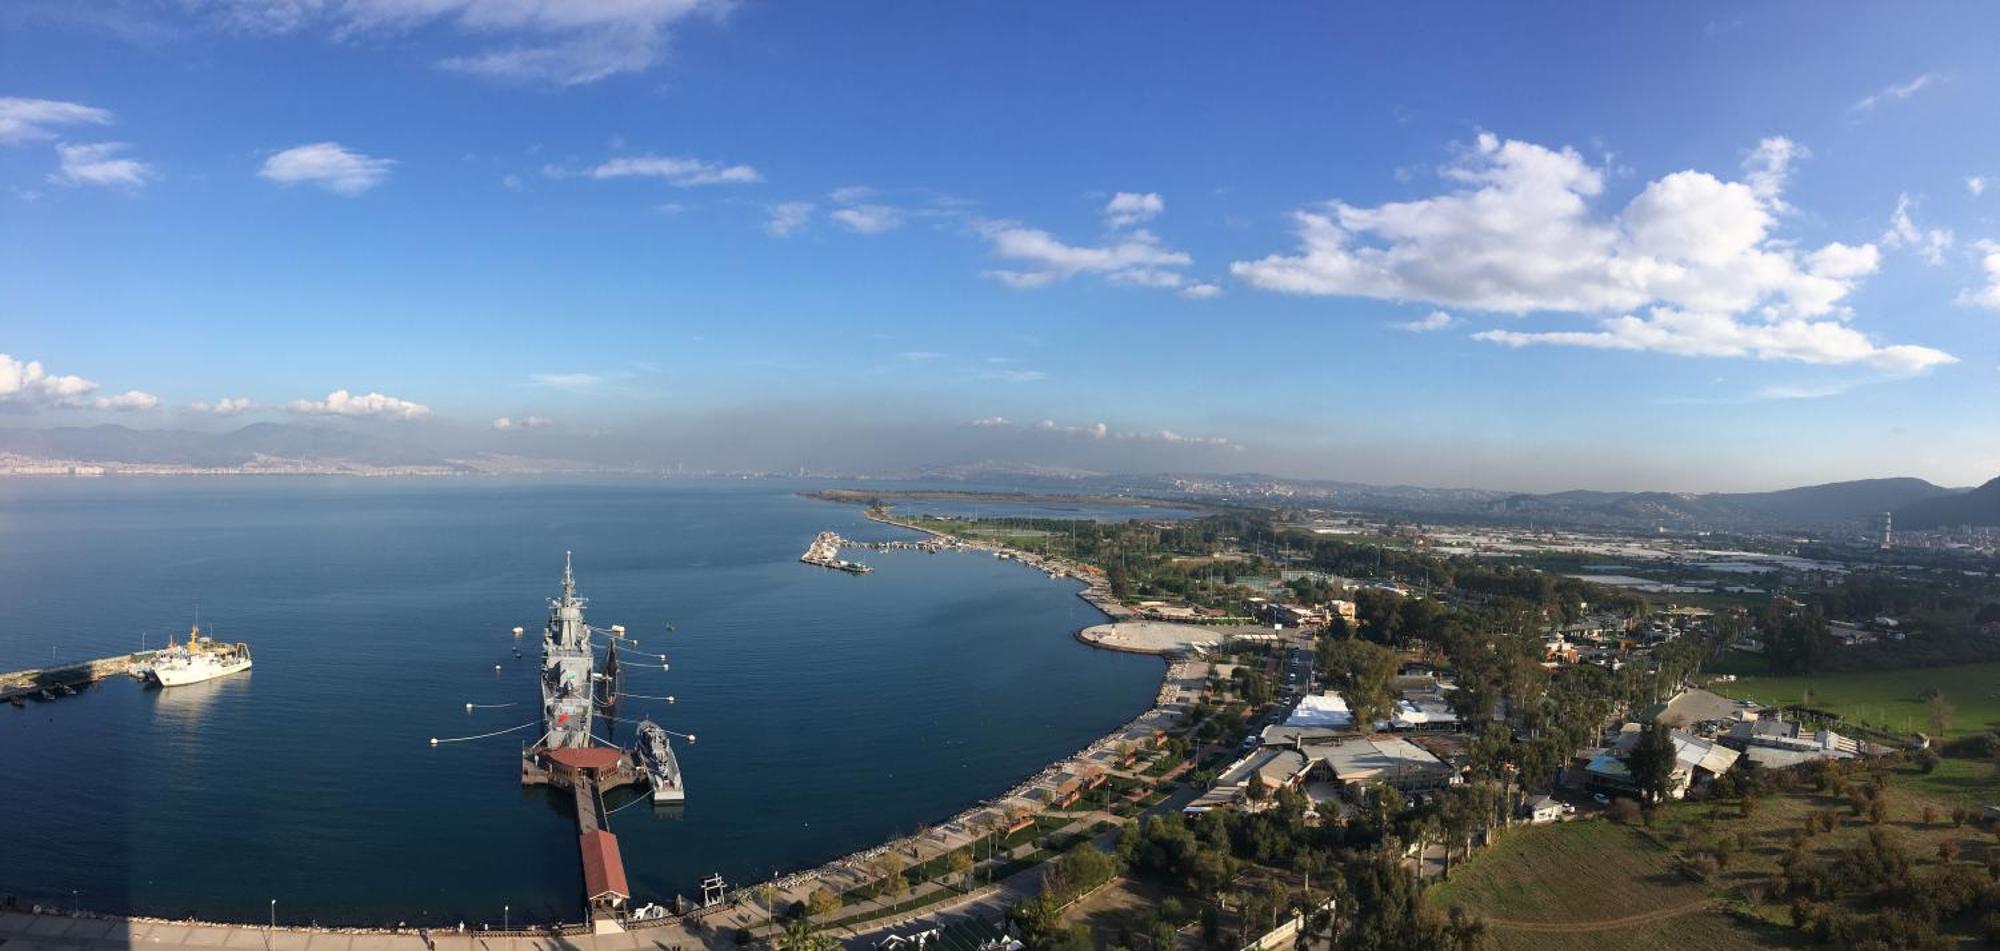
x,y
365,406
1520,236
30,386
1202,291
526,422
226,406
788,218
1136,257
1976,184
1689,334
677,171
868,219
851,194
1435,320
1895,92
568,381
26,120
1010,375
130,401
1904,233
328,165
99,164
920,356
1130,208
1989,262
1100,431
556,42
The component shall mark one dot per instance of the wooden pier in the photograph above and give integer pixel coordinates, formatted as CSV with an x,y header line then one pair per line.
x,y
587,772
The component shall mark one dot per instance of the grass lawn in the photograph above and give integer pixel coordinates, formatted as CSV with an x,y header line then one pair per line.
x,y
1955,782
1888,698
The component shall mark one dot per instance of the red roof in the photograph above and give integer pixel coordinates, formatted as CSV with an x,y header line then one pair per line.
x,y
603,868
588,757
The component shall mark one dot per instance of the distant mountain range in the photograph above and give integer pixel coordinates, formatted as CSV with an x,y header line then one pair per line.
x,y
1852,506
1981,506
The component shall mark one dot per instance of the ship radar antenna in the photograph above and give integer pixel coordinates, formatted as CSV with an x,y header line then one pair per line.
x,y
569,581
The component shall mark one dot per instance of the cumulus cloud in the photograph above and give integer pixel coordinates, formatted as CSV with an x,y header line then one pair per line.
x,y
27,386
677,170
226,406
365,406
1435,320
1135,257
987,421
1904,233
506,423
27,120
1976,184
1989,263
1130,208
868,219
1202,290
1895,92
552,42
1519,235
788,218
99,164
328,165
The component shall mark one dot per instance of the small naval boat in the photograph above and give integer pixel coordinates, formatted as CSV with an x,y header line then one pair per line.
x,y
663,771
201,658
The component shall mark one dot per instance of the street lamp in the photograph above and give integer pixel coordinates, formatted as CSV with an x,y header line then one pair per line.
x,y
273,925
506,916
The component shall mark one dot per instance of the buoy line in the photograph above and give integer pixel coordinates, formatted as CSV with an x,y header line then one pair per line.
x,y
461,739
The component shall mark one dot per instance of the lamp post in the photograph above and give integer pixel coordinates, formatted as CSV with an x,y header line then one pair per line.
x,y
272,924
75,902
506,917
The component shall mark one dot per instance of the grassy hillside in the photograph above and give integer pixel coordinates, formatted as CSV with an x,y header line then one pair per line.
x,y
1888,698
1597,884
1588,885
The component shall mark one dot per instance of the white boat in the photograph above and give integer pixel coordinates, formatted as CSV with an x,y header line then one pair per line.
x,y
201,658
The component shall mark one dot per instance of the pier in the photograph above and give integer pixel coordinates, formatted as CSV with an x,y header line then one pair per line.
x,y
33,681
825,552
587,772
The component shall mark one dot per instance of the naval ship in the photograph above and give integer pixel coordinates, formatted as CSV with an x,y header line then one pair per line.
x,y
663,771
567,666
201,658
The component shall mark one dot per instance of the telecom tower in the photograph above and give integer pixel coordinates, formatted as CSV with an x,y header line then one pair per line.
x,y
1888,529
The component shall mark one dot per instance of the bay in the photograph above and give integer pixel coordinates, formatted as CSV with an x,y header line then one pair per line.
x,y
832,711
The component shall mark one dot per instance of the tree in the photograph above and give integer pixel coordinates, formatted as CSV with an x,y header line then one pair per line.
x,y
1365,674
1652,761
822,902
890,867
1940,713
960,864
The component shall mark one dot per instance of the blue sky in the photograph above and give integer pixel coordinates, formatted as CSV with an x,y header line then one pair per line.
x,y
1664,241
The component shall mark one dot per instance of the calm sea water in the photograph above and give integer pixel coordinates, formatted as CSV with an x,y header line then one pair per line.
x,y
832,711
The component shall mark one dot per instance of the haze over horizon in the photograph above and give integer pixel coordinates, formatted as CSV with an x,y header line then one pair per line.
x,y
1697,248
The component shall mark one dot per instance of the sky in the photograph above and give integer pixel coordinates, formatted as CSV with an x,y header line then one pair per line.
x,y
1526,246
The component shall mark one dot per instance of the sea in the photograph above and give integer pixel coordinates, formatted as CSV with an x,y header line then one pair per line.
x,y
828,712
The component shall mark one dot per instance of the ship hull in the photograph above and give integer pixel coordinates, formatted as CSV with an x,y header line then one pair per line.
x,y
182,676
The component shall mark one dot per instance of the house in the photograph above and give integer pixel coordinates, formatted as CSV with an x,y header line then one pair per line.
x,y
1776,744
1539,810
1696,761
1389,760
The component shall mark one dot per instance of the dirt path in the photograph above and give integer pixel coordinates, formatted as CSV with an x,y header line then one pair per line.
x,y
1577,927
